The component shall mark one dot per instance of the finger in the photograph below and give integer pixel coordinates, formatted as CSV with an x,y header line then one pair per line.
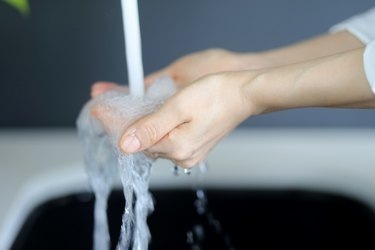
x,y
149,130
160,151
163,146
194,160
151,78
153,156
100,87
173,145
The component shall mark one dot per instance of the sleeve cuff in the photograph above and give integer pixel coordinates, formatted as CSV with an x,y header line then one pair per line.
x,y
369,64
361,26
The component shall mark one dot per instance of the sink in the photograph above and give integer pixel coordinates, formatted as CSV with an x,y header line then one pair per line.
x,y
270,189
249,219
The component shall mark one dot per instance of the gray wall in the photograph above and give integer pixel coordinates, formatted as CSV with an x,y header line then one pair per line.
x,y
49,60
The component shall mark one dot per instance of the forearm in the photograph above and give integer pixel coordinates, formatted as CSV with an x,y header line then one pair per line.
x,y
316,47
333,81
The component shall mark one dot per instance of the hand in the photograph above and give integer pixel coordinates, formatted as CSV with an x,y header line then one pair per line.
x,y
193,66
103,86
189,124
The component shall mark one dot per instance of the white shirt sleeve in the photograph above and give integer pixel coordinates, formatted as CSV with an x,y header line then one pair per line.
x,y
362,26
369,64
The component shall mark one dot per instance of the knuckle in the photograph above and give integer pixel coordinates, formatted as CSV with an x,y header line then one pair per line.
x,y
188,163
152,155
182,153
178,106
178,155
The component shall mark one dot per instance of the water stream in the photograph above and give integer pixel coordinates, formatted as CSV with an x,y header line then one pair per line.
x,y
100,125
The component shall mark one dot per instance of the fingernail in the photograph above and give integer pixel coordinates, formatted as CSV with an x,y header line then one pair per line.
x,y
131,144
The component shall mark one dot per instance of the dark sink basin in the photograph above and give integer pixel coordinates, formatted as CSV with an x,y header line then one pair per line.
x,y
249,219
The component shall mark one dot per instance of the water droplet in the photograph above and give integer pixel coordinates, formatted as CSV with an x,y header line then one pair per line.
x,y
200,194
203,167
175,170
189,237
199,232
187,171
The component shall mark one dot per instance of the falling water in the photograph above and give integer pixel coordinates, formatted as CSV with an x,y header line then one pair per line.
x,y
195,237
100,125
133,46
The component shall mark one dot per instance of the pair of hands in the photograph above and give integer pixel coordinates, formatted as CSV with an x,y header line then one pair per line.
x,y
208,106
219,89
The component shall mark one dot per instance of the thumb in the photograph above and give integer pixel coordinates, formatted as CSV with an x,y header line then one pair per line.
x,y
149,130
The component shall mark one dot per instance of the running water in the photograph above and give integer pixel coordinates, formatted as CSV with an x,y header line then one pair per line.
x,y
100,125
207,222
133,46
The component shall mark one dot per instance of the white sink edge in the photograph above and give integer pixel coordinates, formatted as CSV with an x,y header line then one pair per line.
x,y
319,160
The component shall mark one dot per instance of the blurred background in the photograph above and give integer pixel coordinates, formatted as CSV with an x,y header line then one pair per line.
x,y
50,57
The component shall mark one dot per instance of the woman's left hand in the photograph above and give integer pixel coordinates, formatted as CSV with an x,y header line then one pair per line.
x,y
189,124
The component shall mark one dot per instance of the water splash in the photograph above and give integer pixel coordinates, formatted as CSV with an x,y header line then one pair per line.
x,y
135,178
100,125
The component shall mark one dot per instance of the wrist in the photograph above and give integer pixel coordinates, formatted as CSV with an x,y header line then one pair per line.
x,y
266,91
332,81
250,85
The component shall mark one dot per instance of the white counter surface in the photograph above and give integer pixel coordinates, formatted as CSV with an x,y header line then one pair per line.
x,y
337,160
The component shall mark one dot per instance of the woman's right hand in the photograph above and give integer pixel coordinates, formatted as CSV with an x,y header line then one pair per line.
x,y
185,69
193,66
189,68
